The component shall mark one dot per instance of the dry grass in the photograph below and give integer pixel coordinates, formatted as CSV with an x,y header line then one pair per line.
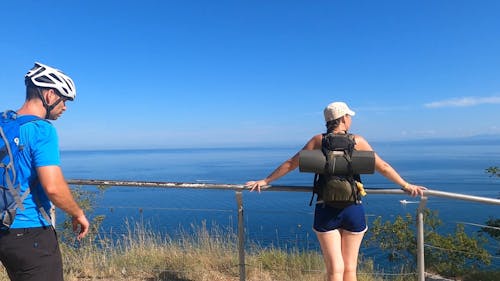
x,y
142,255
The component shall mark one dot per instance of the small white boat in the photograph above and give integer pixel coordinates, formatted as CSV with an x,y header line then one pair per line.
x,y
404,202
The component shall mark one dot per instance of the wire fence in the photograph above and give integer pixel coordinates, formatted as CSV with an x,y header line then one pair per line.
x,y
238,218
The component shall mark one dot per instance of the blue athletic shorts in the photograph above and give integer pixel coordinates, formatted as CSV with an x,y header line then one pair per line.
x,y
350,218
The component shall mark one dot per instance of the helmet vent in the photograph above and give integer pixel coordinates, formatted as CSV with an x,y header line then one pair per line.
x,y
55,77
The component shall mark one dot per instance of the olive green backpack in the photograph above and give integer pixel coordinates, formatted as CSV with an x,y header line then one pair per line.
x,y
337,190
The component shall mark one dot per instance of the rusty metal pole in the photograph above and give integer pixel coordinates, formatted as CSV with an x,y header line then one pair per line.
x,y
241,236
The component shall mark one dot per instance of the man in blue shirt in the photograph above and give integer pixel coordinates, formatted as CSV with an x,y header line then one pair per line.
x,y
29,250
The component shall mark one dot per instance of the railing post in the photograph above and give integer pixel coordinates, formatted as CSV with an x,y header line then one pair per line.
x,y
420,239
241,236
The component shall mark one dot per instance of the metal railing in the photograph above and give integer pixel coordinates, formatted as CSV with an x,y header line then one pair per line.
x,y
239,200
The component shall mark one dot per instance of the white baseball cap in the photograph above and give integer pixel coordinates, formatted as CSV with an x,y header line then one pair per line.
x,y
335,110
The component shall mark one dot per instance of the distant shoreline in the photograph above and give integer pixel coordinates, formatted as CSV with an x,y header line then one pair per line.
x,y
474,140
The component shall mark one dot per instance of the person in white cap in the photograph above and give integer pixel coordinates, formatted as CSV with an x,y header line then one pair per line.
x,y
339,230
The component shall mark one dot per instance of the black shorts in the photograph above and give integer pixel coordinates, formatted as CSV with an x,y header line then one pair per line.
x,y
31,254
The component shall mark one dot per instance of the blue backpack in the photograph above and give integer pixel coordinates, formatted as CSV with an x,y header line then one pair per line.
x,y
10,148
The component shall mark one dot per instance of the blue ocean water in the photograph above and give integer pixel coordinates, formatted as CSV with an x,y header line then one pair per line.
x,y
282,219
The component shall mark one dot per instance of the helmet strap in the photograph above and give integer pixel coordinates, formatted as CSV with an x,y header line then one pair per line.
x,y
48,108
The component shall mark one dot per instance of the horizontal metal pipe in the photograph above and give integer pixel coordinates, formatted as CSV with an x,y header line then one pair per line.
x,y
157,184
118,183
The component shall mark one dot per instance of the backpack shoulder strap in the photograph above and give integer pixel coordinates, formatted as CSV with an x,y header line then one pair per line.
x,y
315,187
23,119
11,115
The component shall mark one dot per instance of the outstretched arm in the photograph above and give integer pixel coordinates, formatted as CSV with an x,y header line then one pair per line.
x,y
56,188
286,167
388,171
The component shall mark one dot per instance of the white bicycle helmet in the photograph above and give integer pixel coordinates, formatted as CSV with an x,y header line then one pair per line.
x,y
47,77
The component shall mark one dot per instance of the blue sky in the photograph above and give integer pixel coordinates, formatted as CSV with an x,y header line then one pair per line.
x,y
233,73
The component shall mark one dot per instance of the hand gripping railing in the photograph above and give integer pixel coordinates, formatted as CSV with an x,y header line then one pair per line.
x,y
239,199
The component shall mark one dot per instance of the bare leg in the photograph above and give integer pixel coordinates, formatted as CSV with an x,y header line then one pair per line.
x,y
350,249
331,246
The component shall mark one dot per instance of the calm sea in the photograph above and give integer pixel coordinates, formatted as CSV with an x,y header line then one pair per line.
x,y
281,219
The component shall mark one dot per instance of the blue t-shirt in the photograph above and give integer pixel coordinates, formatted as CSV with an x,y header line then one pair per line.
x,y
41,148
